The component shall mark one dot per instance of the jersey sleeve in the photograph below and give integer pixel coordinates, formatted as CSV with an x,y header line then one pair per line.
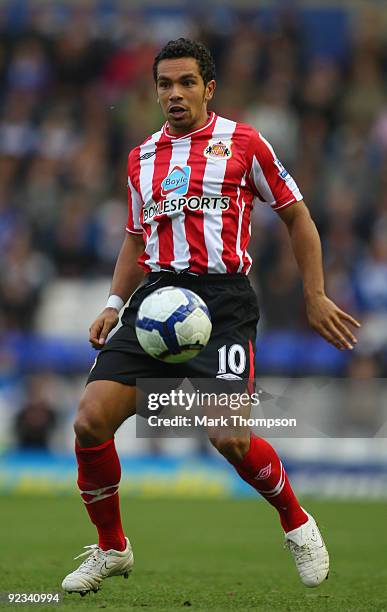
x,y
270,182
133,225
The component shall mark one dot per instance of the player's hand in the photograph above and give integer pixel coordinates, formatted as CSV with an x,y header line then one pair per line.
x,y
331,322
101,327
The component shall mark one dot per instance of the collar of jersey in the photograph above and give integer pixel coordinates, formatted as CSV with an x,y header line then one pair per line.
x,y
209,121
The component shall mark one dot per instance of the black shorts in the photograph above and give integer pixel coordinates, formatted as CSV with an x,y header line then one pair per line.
x,y
229,354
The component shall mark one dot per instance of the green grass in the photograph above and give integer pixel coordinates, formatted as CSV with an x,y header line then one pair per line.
x,y
198,555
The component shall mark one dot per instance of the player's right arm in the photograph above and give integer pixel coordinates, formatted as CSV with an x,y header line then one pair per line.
x,y
126,278
127,273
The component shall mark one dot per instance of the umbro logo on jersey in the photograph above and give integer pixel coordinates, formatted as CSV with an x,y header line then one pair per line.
x,y
218,149
177,181
147,155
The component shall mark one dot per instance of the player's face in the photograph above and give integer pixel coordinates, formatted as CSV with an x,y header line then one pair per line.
x,y
182,94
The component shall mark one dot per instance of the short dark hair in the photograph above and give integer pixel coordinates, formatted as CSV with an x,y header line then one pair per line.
x,y
183,47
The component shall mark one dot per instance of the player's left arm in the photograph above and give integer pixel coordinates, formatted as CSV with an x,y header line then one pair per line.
x,y
324,316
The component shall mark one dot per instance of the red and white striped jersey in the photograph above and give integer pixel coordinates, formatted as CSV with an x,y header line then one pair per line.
x,y
191,196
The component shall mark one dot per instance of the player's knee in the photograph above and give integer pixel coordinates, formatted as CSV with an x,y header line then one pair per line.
x,y
89,427
232,448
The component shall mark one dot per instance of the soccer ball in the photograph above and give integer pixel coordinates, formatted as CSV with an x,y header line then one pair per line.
x,y
173,324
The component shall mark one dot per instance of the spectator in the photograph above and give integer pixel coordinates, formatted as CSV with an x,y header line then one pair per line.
x,y
35,423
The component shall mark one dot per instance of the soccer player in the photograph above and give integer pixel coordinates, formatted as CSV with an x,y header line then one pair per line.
x,y
191,188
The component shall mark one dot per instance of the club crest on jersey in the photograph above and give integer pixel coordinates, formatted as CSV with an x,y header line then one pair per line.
x,y
177,181
218,149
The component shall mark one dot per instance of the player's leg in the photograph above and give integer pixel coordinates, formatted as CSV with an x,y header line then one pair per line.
x,y
229,357
104,406
258,464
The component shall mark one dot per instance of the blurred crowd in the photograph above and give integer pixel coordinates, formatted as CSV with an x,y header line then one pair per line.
x,y
76,94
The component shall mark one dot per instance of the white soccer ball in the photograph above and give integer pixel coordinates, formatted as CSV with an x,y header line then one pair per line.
x,y
173,324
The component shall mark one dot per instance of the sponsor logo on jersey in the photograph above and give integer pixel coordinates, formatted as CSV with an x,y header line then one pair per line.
x,y
172,207
177,181
147,155
283,173
218,149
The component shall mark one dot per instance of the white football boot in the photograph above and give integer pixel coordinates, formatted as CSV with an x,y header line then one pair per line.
x,y
100,564
309,552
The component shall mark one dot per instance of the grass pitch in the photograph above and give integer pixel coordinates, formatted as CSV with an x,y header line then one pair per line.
x,y
198,555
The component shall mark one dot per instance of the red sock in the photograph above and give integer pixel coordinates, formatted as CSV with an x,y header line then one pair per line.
x,y
262,469
99,474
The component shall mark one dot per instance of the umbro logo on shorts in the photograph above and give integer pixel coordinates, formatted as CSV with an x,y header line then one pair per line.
x,y
229,376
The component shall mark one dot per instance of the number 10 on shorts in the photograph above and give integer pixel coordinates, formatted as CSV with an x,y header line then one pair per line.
x,y
234,357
